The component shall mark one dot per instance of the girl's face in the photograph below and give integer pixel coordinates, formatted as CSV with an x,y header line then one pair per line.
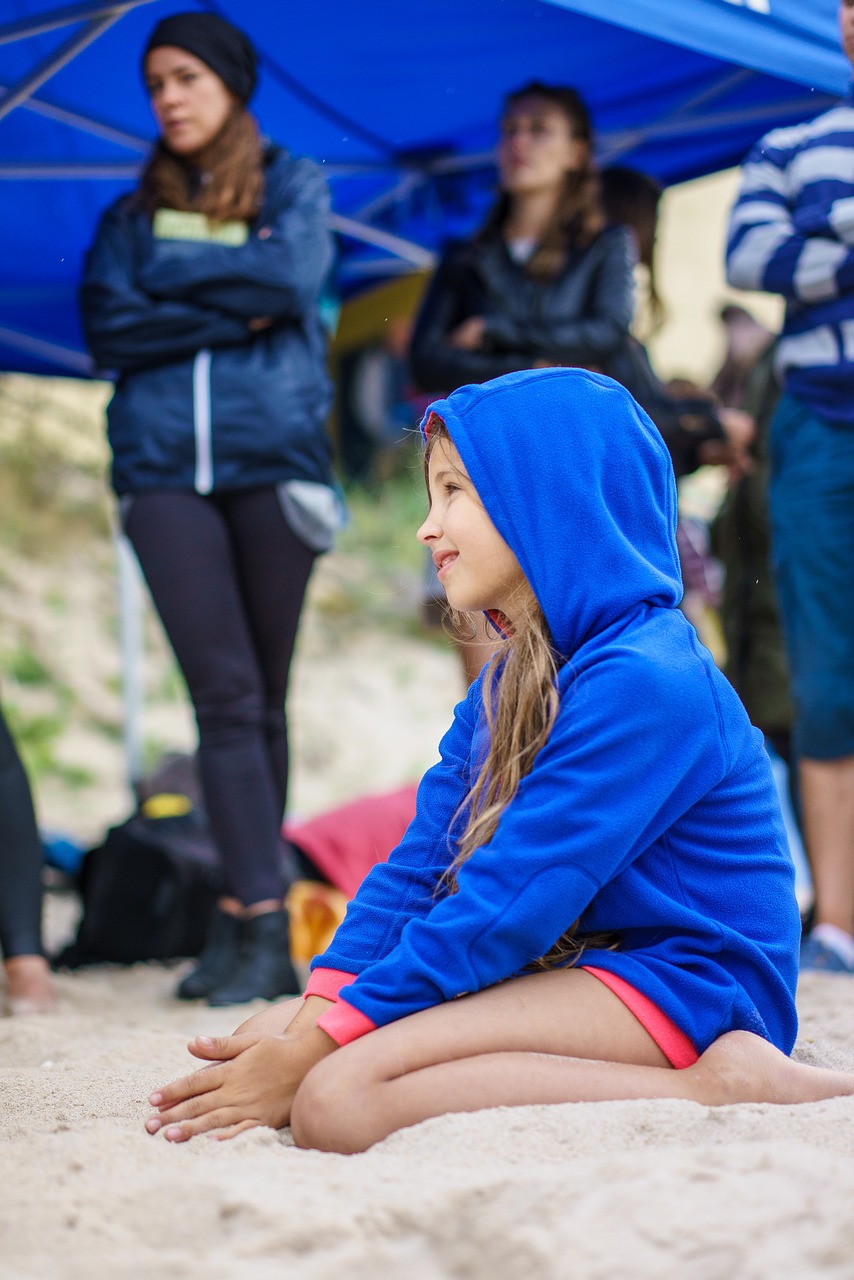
x,y
537,148
475,565
190,102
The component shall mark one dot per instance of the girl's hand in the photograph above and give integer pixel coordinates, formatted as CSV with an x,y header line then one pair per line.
x,y
251,1082
468,336
276,1019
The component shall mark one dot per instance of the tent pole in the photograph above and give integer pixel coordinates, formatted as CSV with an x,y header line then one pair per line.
x,y
86,124
78,362
67,17
49,66
132,656
397,245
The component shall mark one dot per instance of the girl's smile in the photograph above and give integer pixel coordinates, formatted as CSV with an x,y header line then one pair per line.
x,y
443,561
475,565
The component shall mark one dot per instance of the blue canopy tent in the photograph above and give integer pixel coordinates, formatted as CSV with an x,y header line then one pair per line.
x,y
398,103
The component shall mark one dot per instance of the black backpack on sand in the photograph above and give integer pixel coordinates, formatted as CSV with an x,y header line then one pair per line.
x,y
149,890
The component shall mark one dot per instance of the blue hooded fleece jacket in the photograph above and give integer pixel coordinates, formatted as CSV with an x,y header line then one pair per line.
x,y
650,810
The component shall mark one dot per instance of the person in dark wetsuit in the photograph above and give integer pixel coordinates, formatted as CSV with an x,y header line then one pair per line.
x,y
29,988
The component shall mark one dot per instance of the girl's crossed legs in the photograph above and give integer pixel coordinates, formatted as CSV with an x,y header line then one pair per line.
x,y
550,1037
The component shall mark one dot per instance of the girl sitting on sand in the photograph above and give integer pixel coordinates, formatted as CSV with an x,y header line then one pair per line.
x,y
595,899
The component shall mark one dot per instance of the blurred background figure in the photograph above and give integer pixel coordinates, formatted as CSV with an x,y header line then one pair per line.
x,y
791,233
202,292
698,428
544,282
747,341
29,988
756,661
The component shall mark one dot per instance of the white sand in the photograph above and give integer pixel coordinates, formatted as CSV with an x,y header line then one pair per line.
x,y
647,1189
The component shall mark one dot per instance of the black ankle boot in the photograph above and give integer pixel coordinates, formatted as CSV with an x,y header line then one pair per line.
x,y
218,960
264,970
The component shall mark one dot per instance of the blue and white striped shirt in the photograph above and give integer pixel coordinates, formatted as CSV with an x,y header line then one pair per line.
x,y
792,232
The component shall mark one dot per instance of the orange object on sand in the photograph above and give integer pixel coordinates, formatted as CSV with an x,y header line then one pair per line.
x,y
315,911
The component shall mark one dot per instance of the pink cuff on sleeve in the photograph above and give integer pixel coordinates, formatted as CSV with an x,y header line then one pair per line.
x,y
327,983
344,1023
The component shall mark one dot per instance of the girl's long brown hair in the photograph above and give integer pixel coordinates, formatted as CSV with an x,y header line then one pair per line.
x,y
227,180
520,702
579,217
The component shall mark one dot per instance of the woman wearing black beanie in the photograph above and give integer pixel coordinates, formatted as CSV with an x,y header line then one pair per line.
x,y
200,296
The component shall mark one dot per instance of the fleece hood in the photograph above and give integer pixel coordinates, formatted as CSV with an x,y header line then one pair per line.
x,y
578,482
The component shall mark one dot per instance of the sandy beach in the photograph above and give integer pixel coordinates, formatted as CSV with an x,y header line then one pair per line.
x,y
647,1189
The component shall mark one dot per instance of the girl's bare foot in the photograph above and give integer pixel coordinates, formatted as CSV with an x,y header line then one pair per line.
x,y
741,1067
29,986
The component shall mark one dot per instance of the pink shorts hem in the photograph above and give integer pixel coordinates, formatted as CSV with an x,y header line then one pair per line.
x,y
673,1043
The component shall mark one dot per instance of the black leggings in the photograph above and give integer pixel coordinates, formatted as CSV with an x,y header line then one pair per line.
x,y
228,578
21,857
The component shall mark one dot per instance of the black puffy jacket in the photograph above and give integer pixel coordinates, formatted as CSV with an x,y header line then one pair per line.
x,y
202,402
579,318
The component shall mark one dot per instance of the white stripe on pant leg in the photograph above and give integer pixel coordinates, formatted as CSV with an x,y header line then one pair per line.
x,y
203,482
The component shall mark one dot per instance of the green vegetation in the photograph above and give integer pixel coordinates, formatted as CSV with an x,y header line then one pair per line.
x,y
26,667
53,458
384,518
375,575
54,532
37,738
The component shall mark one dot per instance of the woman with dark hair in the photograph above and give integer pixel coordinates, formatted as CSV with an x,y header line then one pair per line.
x,y
545,281
201,295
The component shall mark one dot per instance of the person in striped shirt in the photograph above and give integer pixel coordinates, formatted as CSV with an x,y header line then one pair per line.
x,y
792,232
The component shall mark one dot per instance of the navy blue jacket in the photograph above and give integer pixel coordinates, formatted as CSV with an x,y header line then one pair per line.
x,y
650,811
201,402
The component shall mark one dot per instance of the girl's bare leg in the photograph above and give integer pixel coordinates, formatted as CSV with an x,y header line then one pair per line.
x,y
545,1038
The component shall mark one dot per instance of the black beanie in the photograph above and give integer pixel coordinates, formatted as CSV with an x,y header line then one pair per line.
x,y
217,43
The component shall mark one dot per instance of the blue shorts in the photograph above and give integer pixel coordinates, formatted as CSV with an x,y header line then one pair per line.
x,y
812,523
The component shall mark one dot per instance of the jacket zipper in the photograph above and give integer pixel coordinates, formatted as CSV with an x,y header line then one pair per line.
x,y
203,480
